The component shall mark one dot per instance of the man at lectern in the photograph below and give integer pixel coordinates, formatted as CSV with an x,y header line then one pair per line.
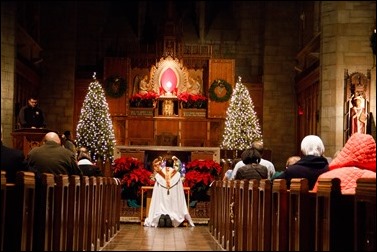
x,y
31,116
168,206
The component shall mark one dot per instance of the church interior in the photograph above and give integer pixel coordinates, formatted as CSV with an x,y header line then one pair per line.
x,y
300,61
168,70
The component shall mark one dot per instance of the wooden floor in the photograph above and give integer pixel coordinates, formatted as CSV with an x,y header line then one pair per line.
x,y
135,237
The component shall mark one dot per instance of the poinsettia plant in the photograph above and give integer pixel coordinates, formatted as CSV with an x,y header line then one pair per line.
x,y
132,175
145,100
199,175
192,100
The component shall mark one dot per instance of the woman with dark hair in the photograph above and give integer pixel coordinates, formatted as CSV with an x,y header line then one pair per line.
x,y
252,169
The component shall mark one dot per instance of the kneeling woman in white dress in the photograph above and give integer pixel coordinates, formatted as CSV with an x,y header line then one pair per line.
x,y
168,196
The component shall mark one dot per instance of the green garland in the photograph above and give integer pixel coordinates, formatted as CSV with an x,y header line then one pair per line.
x,y
115,86
220,83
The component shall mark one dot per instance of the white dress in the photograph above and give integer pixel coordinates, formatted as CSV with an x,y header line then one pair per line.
x,y
170,201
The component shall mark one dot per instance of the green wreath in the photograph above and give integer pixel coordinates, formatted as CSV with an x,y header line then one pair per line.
x,y
220,83
115,86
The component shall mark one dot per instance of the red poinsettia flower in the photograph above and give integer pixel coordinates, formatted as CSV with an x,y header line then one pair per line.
x,y
147,96
192,100
200,174
132,173
187,97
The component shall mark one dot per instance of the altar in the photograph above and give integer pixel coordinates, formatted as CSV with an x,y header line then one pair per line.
x,y
147,153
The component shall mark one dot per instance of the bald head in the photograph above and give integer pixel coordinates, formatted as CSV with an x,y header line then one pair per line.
x,y
52,136
258,145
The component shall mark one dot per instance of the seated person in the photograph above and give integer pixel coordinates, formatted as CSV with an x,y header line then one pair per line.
x,y
312,163
168,197
86,165
252,169
31,116
228,173
67,141
258,145
357,159
12,161
290,161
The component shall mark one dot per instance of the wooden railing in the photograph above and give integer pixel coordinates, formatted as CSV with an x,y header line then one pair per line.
x,y
65,213
261,215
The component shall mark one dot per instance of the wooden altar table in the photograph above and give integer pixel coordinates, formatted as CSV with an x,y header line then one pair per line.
x,y
193,153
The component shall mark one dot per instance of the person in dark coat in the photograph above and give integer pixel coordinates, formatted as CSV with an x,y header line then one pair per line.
x,y
53,158
312,163
67,142
252,169
30,115
86,166
12,161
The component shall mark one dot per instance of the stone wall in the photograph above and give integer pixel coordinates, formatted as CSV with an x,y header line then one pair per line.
x,y
346,29
8,57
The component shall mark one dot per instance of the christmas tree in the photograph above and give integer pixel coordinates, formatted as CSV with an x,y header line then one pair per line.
x,y
95,129
241,124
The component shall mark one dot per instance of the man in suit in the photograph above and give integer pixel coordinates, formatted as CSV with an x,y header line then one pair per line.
x,y
12,161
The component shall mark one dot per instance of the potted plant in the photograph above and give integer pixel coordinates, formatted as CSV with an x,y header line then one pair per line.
x,y
188,100
199,175
146,100
133,176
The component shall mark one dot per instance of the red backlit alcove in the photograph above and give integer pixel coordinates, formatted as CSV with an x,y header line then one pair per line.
x,y
169,80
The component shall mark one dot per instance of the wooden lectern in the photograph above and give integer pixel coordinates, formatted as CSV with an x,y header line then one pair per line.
x,y
26,139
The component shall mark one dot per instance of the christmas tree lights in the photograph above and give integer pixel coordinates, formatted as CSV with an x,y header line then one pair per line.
x,y
95,129
241,124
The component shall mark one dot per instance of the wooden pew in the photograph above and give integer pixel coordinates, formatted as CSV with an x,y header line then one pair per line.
x,y
252,216
61,213
238,211
92,214
118,201
301,216
212,208
279,221
223,214
73,213
104,215
264,215
365,215
44,213
216,198
84,213
334,217
241,213
3,207
19,213
228,220
99,211
110,213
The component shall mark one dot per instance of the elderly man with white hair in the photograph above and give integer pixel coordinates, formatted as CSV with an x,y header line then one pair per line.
x,y
312,163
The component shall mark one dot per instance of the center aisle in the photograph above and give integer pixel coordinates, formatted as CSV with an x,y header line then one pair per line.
x,y
135,237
